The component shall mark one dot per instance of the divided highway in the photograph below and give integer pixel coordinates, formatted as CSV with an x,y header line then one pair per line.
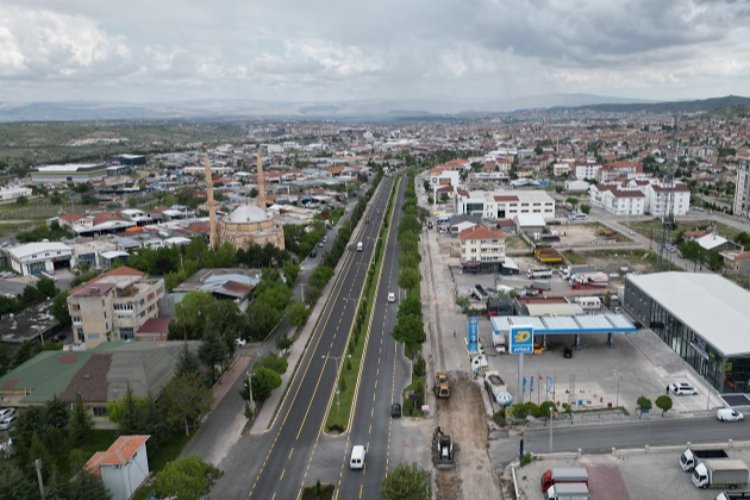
x,y
383,376
282,459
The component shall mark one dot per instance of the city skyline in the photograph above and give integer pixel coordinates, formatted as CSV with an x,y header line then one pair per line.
x,y
466,52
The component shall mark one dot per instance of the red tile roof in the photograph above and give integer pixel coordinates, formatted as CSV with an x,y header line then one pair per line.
x,y
480,232
120,452
156,325
124,271
506,198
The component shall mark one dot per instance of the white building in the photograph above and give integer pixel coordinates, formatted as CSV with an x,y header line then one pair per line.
x,y
38,258
618,201
71,172
13,192
657,196
123,467
742,189
504,204
587,171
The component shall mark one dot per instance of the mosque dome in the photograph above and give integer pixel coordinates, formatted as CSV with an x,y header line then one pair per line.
x,y
248,213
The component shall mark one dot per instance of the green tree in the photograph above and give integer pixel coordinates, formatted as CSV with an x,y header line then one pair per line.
x,y
186,478
264,381
213,351
406,481
194,311
57,413
60,308
81,422
586,208
184,399
644,404
46,287
282,342
188,362
664,403
297,313
15,485
22,200
129,412
272,362
262,316
408,278
87,486
572,201
39,451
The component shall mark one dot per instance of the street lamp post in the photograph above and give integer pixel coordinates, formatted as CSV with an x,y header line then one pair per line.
x,y
338,370
251,402
551,409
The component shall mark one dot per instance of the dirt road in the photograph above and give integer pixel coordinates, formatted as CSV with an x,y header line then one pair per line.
x,y
462,417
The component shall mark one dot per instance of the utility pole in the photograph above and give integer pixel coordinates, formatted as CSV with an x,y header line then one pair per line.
x,y
251,402
38,465
551,410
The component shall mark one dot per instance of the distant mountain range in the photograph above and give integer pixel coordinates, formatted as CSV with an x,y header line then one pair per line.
x,y
345,110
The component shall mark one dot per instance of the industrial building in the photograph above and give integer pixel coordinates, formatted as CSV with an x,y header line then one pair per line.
x,y
37,258
504,204
703,317
78,173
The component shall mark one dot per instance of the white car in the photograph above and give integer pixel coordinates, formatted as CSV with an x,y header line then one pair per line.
x,y
6,412
239,342
681,389
391,297
729,415
7,422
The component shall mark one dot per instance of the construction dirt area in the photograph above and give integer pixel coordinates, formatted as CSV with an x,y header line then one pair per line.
x,y
462,417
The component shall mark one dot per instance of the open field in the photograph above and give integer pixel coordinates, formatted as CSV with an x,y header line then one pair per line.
x,y
611,261
652,228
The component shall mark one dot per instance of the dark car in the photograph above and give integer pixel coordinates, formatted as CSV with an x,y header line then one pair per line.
x,y
395,410
313,254
568,352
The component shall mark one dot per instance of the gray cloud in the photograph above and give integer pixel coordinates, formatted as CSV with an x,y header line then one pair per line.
x,y
473,50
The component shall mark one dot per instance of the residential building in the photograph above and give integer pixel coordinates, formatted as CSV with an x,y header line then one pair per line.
x,y
8,193
658,195
123,467
37,258
742,188
616,200
587,171
482,249
703,317
113,306
504,204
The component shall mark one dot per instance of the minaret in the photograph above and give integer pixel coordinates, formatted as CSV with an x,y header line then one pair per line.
x,y
213,238
261,184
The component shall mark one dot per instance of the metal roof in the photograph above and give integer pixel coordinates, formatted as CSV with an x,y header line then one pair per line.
x,y
713,307
545,325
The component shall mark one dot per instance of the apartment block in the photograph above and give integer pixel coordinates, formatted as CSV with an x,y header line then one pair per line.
x,y
113,306
742,189
482,247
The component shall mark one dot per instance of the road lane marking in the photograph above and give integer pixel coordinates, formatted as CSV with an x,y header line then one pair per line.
x,y
283,471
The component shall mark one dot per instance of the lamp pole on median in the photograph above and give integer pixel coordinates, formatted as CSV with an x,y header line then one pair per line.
x,y
338,370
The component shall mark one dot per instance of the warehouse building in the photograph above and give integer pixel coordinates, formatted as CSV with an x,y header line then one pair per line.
x,y
78,173
703,317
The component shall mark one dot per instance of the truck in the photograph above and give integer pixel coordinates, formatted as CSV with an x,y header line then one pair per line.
x,y
442,386
567,491
559,475
569,271
691,457
540,285
722,473
539,273
589,280
496,388
733,495
499,342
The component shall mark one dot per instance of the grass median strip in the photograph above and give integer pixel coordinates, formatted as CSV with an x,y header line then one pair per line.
x,y
349,371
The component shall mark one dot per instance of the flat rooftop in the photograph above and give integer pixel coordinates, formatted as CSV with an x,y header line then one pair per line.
x,y
565,325
712,306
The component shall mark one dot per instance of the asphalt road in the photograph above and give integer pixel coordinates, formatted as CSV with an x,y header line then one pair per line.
x,y
383,376
282,459
651,432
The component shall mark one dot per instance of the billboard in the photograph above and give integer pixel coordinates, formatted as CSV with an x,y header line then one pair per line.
x,y
521,340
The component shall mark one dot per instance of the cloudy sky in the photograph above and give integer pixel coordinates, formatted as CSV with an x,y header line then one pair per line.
x,y
322,50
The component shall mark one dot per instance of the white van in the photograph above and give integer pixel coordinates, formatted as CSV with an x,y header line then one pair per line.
x,y
357,460
360,246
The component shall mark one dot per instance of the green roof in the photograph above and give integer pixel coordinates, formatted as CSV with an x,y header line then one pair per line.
x,y
48,373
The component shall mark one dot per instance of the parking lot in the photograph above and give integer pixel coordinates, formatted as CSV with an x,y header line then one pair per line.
x,y
632,475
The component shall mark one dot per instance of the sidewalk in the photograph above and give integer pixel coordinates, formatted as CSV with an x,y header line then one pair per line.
x,y
266,416
222,386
